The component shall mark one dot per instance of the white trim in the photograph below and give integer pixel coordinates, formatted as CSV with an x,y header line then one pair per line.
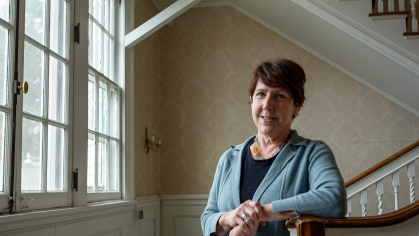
x,y
158,21
330,62
127,97
212,4
54,216
411,37
361,36
186,197
185,200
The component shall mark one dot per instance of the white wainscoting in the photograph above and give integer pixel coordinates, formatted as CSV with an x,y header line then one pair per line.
x,y
101,219
181,214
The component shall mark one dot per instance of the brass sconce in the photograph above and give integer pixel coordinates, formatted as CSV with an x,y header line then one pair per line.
x,y
150,144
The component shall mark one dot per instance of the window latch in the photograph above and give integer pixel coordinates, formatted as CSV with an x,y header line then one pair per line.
x,y
76,180
77,33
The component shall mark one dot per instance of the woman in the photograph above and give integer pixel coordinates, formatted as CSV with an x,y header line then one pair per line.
x,y
276,174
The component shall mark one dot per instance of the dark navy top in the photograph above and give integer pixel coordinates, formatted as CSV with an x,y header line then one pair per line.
x,y
252,173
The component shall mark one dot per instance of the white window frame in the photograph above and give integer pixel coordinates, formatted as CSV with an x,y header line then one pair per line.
x,y
44,199
8,109
77,119
81,72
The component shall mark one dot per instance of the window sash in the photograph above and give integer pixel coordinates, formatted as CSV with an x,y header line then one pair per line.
x,y
47,198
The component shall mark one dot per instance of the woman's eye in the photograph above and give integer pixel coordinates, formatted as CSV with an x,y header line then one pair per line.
x,y
260,94
280,96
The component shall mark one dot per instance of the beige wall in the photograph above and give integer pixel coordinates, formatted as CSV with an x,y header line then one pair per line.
x,y
206,61
204,65
147,167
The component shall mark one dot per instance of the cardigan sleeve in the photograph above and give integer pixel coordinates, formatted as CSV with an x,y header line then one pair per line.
x,y
209,218
327,193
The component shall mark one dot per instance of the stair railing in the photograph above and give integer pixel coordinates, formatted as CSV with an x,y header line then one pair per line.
x,y
308,225
376,174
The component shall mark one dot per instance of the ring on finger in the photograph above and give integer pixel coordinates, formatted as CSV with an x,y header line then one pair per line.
x,y
244,216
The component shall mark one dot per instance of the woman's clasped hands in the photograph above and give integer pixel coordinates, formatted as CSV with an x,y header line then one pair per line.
x,y
244,220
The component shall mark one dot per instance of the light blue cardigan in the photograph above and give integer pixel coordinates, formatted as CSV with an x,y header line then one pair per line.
x,y
304,178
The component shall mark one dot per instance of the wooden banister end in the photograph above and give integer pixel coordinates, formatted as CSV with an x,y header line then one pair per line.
x,y
308,225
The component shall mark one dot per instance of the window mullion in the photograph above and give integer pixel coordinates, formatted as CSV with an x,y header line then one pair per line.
x,y
44,156
108,143
96,135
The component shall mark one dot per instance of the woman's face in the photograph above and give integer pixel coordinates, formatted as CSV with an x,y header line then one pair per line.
x,y
272,110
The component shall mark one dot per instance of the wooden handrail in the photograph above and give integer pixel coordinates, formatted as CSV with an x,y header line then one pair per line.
x,y
382,163
306,223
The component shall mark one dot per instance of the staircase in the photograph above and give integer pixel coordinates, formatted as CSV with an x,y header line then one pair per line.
x,y
400,220
396,9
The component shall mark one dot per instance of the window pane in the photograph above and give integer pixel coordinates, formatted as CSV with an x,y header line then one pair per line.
x,y
90,42
58,27
31,155
4,9
114,167
34,75
91,102
103,108
112,16
55,165
106,55
2,148
107,16
57,90
3,64
114,114
103,166
111,61
97,47
35,20
91,163
97,10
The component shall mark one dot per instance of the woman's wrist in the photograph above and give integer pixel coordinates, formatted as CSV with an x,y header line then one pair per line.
x,y
268,214
224,227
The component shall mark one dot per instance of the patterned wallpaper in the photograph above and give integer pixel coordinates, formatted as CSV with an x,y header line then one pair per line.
x,y
198,73
205,64
147,167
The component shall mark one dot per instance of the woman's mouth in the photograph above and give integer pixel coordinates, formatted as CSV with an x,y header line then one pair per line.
x,y
266,118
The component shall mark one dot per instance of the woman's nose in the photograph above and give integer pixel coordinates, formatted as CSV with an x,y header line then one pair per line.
x,y
267,104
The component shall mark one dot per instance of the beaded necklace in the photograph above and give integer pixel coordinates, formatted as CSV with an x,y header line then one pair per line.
x,y
256,149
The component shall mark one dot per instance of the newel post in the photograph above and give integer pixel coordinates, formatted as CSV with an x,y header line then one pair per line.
x,y
307,226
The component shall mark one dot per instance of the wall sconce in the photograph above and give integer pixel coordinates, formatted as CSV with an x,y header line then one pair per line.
x,y
150,144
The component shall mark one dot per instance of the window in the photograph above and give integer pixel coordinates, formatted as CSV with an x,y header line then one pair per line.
x,y
103,175
6,50
49,121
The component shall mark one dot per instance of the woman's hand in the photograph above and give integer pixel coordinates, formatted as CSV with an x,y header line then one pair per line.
x,y
238,231
234,218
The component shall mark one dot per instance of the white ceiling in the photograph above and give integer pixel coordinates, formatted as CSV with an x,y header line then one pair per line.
x,y
333,45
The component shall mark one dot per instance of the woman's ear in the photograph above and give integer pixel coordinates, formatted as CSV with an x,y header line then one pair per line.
x,y
251,100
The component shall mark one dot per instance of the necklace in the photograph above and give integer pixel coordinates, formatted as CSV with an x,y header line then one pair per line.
x,y
256,149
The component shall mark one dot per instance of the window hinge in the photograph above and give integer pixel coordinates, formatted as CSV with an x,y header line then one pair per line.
x,y
16,85
120,2
76,180
77,33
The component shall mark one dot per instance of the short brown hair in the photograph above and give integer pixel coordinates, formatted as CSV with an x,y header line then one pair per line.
x,y
281,73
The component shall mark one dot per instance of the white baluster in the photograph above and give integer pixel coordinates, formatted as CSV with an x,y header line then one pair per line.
x,y
364,202
411,176
380,192
391,5
414,20
380,6
349,210
401,5
396,184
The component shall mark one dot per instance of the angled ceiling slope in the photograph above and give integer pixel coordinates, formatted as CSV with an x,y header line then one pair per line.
x,y
343,46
